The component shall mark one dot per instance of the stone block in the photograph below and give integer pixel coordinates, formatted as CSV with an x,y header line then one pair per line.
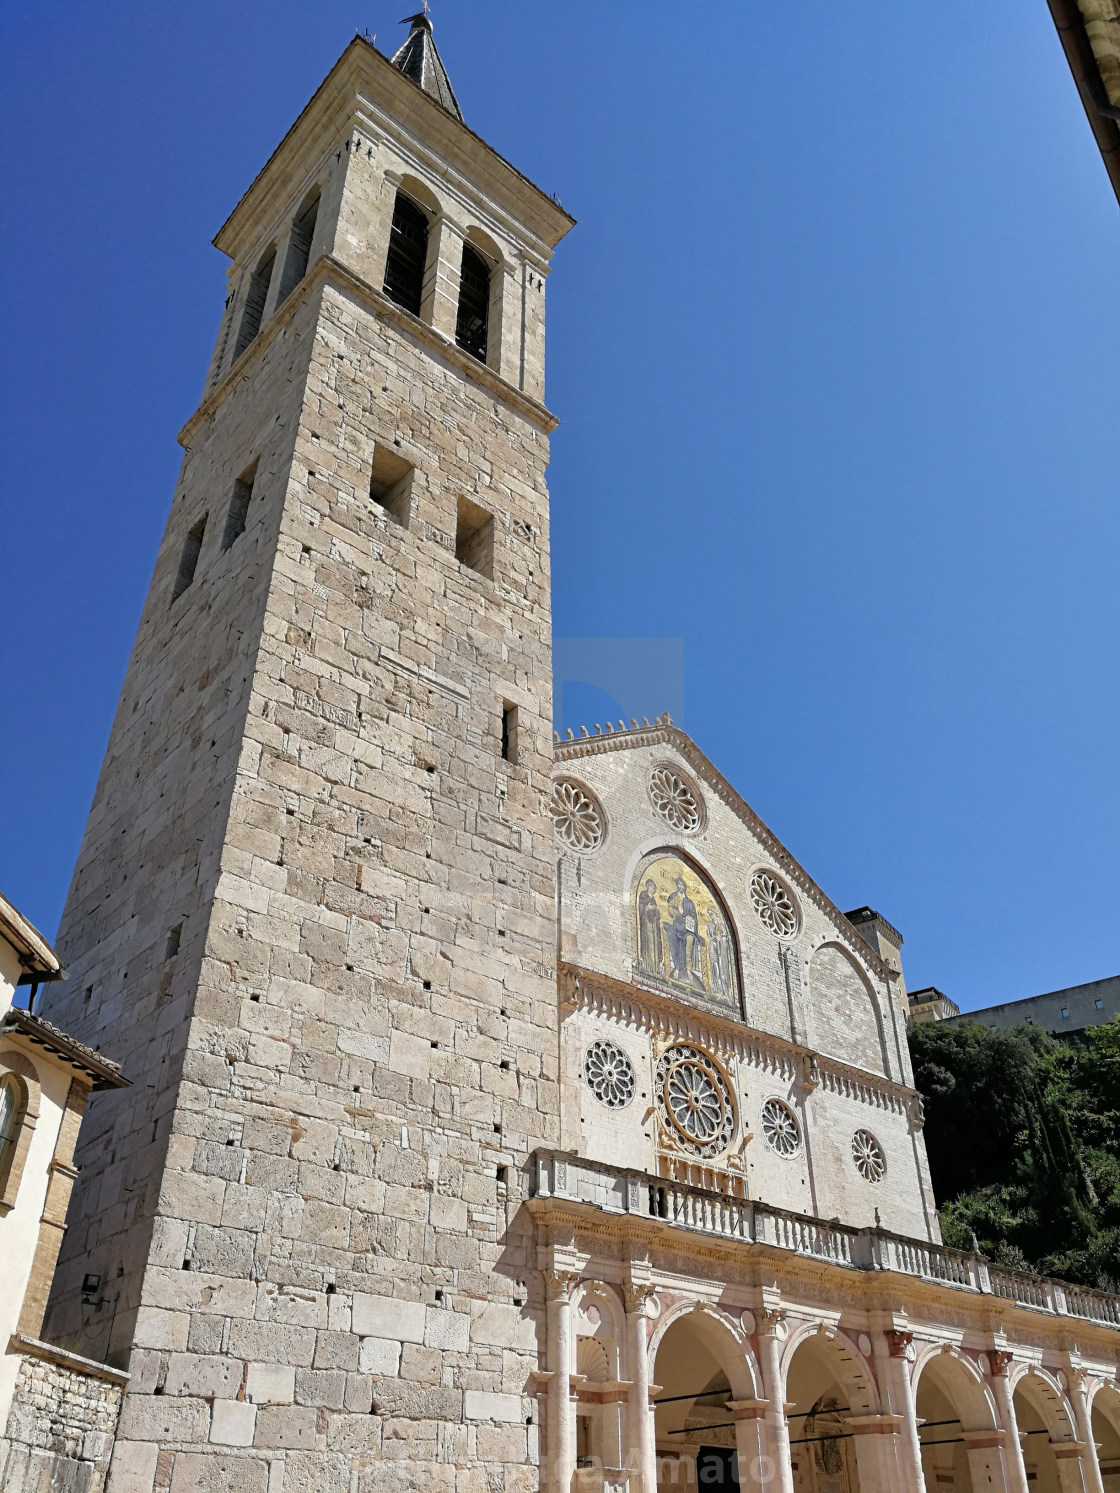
x,y
232,1423
447,1329
162,1419
217,1472
387,1317
133,1468
286,1426
379,1355
271,1384
480,1404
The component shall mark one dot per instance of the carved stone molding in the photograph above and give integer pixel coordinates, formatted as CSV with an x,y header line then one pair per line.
x,y
616,1000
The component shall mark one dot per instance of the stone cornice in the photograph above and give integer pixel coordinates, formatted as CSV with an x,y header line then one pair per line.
x,y
33,1347
590,991
664,733
328,271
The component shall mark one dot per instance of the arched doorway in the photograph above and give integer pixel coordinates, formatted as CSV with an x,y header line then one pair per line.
x,y
1044,1423
1105,1416
957,1426
702,1364
826,1386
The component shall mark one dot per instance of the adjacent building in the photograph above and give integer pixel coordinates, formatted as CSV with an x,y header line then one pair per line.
x,y
1089,31
58,1411
1061,1012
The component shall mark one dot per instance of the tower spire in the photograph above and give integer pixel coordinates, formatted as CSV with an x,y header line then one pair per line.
x,y
419,60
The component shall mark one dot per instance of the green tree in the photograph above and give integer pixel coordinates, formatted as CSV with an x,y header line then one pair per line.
x,y
1023,1136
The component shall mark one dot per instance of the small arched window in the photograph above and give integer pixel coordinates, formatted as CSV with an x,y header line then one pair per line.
x,y
408,255
253,313
11,1112
473,319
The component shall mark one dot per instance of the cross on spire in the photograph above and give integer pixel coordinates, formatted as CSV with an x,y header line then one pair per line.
x,y
419,60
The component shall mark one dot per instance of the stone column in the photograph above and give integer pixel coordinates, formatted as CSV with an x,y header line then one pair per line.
x,y
902,1397
875,1439
1090,1462
440,306
561,1441
984,1450
749,1417
998,1361
769,1352
641,1453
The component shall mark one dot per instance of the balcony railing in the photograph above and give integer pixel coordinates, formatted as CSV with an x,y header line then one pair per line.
x,y
706,1211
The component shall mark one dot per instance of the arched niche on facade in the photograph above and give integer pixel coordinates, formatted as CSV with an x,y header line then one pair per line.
x,y
1104,1416
845,1019
827,1381
683,938
1045,1421
597,1356
701,1360
960,1430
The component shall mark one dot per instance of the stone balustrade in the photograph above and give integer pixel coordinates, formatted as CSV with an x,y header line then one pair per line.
x,y
708,1211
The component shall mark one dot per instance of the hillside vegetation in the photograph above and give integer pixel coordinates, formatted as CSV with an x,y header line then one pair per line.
x,y
1023,1134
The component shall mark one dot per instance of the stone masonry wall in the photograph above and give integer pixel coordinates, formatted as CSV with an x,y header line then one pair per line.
x,y
151,852
60,1430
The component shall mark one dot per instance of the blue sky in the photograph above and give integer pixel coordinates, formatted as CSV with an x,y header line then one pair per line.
x,y
834,351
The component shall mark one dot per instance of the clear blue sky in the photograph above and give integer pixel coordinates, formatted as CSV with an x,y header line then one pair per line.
x,y
834,348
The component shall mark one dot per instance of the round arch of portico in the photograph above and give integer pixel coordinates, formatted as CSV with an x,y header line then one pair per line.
x,y
1104,1395
965,1386
852,1370
1046,1395
724,1338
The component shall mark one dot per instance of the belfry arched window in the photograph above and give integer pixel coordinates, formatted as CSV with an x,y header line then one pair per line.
x,y
408,255
472,322
253,313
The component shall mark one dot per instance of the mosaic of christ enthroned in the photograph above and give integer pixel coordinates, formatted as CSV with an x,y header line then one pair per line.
x,y
682,940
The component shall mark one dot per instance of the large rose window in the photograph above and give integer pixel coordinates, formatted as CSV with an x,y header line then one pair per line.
x,y
694,1101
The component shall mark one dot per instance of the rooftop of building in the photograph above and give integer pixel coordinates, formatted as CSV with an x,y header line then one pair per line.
x,y
37,959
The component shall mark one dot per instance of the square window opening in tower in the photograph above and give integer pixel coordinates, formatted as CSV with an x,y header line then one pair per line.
x,y
390,486
474,538
188,564
239,506
509,732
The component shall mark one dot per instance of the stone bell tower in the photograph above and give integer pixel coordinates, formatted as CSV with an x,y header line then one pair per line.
x,y
313,910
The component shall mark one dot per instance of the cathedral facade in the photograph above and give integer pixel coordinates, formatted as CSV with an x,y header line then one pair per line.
x,y
504,1112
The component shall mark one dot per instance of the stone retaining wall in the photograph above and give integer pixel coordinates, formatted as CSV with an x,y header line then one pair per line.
x,y
59,1435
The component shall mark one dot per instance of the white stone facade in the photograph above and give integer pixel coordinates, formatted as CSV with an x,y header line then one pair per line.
x,y
377,1212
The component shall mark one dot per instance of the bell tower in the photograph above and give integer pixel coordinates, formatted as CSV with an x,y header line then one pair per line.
x,y
313,910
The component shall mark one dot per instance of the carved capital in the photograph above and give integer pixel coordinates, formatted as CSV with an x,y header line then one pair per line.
x,y
900,1344
770,1323
998,1360
559,1284
637,1296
